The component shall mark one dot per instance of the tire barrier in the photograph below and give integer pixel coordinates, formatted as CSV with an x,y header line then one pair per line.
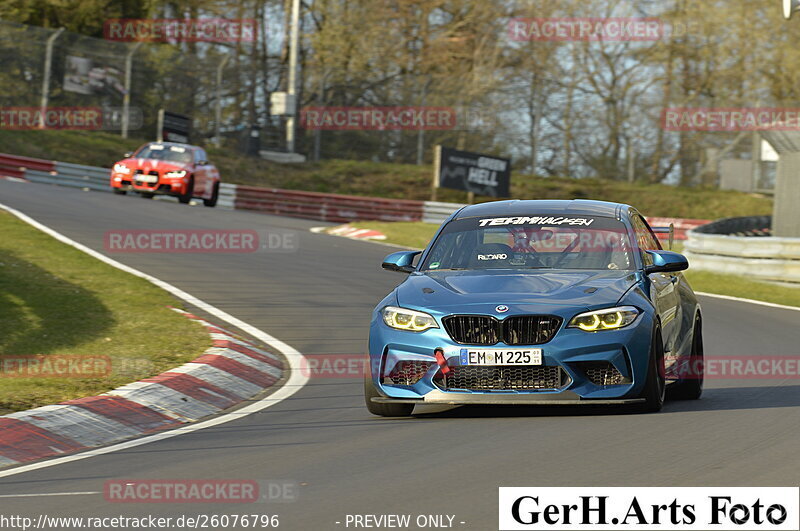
x,y
752,226
743,246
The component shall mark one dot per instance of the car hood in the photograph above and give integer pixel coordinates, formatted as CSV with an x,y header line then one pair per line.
x,y
529,291
154,164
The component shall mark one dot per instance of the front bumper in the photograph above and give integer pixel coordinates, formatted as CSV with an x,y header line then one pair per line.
x,y
165,186
574,353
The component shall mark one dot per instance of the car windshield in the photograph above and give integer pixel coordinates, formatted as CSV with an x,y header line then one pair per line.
x,y
532,242
162,152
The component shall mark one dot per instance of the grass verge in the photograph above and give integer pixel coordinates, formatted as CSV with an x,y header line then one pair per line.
x,y
398,181
57,302
417,235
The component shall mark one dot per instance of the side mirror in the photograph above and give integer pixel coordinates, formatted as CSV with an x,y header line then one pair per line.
x,y
127,155
402,261
666,262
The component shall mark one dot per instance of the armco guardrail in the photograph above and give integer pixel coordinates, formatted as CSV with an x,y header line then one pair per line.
x,y
710,248
326,207
15,166
335,208
227,195
73,175
436,212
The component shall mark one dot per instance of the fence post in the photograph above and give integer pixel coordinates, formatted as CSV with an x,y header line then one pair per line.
x,y
126,98
48,62
294,36
218,103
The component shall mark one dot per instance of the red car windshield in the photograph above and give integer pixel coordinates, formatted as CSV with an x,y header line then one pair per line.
x,y
168,153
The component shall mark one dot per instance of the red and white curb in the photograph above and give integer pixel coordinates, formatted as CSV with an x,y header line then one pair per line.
x,y
354,233
228,373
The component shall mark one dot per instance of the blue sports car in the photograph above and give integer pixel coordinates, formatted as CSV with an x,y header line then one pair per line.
x,y
536,302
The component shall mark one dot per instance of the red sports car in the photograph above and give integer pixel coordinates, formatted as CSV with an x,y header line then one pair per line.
x,y
167,168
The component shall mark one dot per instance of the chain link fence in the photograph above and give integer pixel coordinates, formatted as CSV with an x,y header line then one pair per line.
x,y
87,72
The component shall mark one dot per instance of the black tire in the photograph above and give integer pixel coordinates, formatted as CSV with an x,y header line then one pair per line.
x,y
147,195
214,195
692,388
185,198
119,191
383,410
655,387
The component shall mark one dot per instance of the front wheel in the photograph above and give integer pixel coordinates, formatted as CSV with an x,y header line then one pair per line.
x,y
120,191
655,386
187,196
383,410
214,195
691,387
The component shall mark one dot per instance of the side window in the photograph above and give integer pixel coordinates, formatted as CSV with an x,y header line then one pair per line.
x,y
645,238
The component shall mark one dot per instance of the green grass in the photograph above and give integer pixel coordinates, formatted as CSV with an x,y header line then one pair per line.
x,y
398,181
736,286
417,235
57,301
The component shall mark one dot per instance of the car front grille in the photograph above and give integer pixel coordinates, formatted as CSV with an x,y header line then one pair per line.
x,y
603,373
151,172
505,378
407,372
530,329
473,329
514,330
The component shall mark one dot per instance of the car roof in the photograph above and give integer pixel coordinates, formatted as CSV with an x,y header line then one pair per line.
x,y
528,207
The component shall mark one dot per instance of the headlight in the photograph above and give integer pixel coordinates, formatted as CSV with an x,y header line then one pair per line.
x,y
121,168
404,319
175,174
608,319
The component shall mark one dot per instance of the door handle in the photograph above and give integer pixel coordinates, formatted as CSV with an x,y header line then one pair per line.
x,y
674,279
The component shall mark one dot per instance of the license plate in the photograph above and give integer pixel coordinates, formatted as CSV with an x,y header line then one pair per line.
x,y
498,356
147,178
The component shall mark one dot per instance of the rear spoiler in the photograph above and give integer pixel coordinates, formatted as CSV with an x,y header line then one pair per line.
x,y
666,230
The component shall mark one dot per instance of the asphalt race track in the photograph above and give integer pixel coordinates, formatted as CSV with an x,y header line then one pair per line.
x,y
445,461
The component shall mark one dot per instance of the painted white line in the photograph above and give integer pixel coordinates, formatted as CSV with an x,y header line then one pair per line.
x,y
750,301
295,382
87,493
